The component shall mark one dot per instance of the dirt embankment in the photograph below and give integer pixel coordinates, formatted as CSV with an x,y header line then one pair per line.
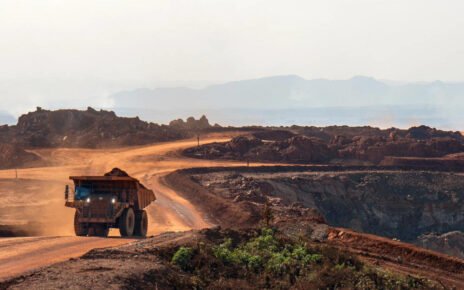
x,y
400,257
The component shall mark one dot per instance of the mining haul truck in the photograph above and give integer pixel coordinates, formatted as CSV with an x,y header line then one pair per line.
x,y
114,200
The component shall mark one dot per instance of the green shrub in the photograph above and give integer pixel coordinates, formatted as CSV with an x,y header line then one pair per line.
x,y
255,263
301,254
224,252
182,257
264,242
279,262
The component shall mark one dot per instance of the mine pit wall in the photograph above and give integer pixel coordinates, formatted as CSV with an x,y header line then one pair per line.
x,y
384,201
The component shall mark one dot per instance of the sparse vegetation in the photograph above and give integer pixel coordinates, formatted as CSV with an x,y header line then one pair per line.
x,y
183,257
269,259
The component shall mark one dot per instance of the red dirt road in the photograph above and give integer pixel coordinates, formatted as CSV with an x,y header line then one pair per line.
x,y
25,198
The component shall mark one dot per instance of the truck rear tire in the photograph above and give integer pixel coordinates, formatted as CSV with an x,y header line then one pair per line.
x,y
81,229
127,222
141,223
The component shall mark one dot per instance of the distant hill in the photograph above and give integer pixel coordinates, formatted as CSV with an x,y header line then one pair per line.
x,y
290,99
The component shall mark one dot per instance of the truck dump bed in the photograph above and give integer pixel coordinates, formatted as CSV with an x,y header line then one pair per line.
x,y
125,187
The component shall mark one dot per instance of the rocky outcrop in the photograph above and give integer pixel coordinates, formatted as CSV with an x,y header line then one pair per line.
x,y
91,129
191,123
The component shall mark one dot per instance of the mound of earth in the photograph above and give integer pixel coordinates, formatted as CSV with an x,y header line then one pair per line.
x,y
12,156
334,145
223,259
91,129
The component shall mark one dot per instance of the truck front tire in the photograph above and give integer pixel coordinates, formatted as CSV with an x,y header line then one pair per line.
x,y
127,222
81,229
141,223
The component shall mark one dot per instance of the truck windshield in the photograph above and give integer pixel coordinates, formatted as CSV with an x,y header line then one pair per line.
x,y
82,192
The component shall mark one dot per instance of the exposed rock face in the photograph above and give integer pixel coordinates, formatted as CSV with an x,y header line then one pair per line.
x,y
90,129
335,144
13,156
398,204
451,243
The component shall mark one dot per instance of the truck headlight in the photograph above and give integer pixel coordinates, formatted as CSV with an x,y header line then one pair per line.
x,y
87,200
113,200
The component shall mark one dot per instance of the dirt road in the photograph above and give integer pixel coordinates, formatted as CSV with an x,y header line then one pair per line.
x,y
37,196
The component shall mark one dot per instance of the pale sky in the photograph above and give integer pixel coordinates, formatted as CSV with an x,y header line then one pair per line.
x,y
100,46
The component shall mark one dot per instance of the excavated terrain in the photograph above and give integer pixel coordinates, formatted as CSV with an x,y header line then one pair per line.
x,y
394,204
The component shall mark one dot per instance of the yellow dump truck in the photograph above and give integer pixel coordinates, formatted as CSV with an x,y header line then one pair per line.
x,y
114,200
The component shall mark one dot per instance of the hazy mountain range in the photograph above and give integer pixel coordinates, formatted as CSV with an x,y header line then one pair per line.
x,y
278,100
284,100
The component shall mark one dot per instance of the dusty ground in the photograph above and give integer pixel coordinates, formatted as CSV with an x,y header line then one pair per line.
x,y
37,197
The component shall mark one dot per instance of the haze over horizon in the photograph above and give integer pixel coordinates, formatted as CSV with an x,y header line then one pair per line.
x,y
75,54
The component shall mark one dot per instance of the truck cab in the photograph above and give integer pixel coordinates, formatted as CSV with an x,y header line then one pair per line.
x,y
114,200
